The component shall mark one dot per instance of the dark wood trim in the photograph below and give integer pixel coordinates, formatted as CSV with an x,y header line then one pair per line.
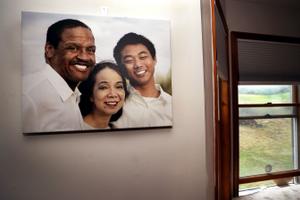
x,y
218,174
295,94
221,13
216,110
222,114
234,76
224,143
269,176
296,90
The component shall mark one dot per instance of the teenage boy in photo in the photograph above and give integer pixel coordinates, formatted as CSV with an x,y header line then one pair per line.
x,y
147,105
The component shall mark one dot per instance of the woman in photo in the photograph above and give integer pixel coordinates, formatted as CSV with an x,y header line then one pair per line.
x,y
103,95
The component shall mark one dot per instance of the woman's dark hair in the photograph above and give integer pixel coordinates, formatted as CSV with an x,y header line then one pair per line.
x,y
86,89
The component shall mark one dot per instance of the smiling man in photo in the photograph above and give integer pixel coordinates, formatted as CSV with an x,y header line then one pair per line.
x,y
50,97
147,105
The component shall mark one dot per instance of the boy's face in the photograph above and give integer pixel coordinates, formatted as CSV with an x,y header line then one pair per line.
x,y
139,64
74,56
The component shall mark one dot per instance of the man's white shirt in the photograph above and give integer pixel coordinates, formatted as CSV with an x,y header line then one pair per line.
x,y
49,104
139,111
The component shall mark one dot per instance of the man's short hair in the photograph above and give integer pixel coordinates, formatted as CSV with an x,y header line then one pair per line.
x,y
55,30
132,38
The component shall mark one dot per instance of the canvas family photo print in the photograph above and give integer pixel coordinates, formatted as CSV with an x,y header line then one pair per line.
x,y
84,73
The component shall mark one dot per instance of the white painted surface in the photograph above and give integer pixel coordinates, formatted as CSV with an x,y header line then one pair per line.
x,y
160,164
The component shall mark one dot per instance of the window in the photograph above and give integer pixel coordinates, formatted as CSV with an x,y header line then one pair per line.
x,y
268,136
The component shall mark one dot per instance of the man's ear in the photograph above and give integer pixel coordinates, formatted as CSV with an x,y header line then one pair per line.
x,y
49,51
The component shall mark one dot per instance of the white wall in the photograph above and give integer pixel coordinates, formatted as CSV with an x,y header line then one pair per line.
x,y
161,164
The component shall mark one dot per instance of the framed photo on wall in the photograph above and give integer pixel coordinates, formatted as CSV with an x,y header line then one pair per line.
x,y
85,73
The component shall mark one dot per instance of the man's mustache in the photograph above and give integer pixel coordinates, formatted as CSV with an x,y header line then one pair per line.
x,y
82,62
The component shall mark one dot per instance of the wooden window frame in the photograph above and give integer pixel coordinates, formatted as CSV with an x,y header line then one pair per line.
x,y
279,174
234,36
